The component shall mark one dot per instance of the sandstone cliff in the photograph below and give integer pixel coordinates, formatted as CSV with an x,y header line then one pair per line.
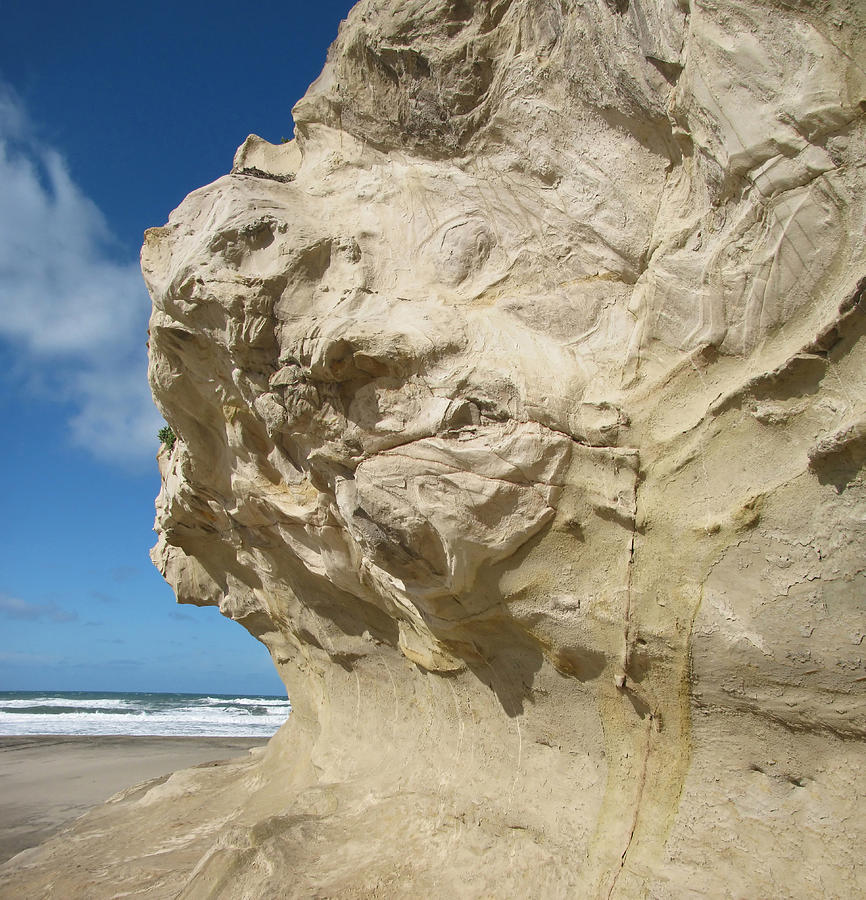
x,y
521,405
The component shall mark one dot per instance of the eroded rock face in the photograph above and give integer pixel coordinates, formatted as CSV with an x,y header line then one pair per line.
x,y
526,397
520,404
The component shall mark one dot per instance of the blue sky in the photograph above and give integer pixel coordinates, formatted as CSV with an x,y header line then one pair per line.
x,y
110,113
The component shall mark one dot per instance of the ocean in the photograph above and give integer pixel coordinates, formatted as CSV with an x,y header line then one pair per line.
x,y
200,715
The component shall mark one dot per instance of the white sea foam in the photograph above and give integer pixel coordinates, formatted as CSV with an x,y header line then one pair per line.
x,y
246,701
98,703
142,714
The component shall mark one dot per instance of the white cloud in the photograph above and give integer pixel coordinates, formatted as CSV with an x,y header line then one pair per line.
x,y
13,608
14,658
68,306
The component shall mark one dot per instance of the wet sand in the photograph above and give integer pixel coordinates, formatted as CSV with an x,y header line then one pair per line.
x,y
47,781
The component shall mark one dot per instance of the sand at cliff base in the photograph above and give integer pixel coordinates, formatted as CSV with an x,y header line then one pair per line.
x,y
48,781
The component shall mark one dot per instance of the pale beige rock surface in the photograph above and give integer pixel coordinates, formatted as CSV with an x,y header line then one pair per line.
x,y
521,405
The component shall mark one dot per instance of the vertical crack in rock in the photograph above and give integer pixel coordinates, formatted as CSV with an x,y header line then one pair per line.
x,y
640,699
520,408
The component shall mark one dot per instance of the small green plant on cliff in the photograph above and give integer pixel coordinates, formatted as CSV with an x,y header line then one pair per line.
x,y
167,436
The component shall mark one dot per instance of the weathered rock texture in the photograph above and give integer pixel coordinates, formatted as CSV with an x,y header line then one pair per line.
x,y
521,405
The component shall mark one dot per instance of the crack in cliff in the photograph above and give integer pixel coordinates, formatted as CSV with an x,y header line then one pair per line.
x,y
644,701
627,637
637,807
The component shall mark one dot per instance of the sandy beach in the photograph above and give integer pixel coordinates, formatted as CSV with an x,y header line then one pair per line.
x,y
47,781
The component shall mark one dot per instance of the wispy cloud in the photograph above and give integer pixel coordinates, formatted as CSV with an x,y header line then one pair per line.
x,y
14,608
71,305
121,574
14,658
104,664
181,617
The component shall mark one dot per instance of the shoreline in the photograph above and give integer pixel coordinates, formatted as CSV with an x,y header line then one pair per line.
x,y
47,781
